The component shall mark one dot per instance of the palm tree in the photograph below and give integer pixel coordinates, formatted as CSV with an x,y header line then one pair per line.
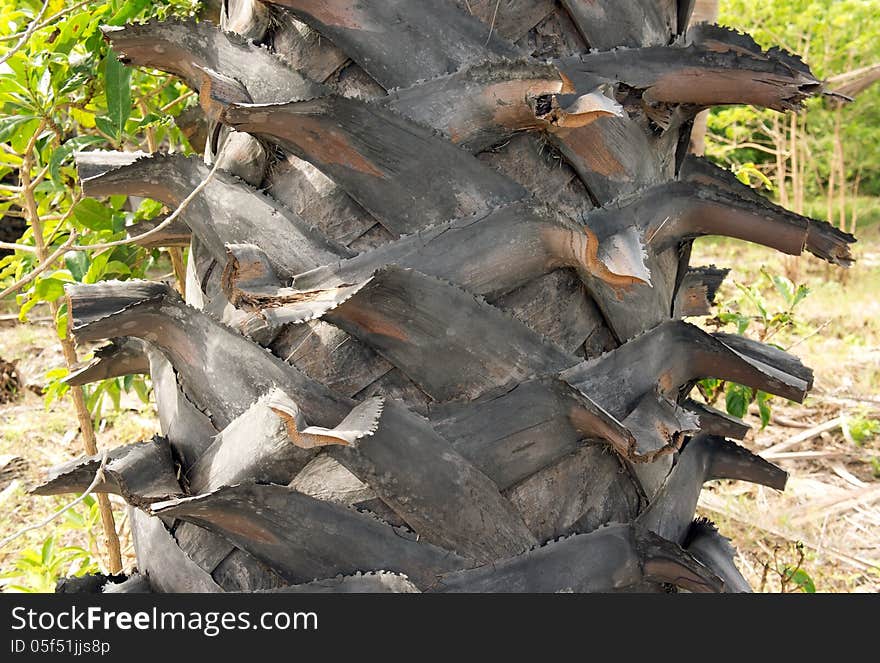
x,y
433,333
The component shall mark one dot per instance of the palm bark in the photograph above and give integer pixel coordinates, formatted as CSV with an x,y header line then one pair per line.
x,y
464,249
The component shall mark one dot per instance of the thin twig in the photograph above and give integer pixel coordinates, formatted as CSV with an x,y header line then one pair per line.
x,y
492,25
805,436
12,246
99,477
26,34
42,267
810,335
48,21
155,231
186,95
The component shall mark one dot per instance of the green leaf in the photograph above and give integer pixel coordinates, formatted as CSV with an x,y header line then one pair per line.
x,y
128,11
78,263
10,124
113,390
763,399
802,292
97,268
754,296
74,31
61,321
21,137
93,215
47,549
802,579
139,384
117,80
48,289
26,307
105,125
784,287
737,400
117,268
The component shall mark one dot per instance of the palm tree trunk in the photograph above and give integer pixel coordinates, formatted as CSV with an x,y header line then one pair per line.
x,y
437,280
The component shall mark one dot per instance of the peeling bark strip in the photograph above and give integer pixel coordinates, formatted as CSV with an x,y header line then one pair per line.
x,y
468,252
438,39
486,104
723,39
317,540
699,76
120,357
182,47
704,458
674,354
167,567
361,583
609,559
220,370
254,447
141,473
696,293
822,239
228,211
403,173
99,583
511,434
713,550
448,342
610,23
434,489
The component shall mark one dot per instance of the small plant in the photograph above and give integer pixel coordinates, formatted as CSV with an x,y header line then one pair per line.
x,y
791,575
37,569
861,428
765,312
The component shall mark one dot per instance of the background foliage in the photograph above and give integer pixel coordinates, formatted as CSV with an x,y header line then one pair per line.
x,y
834,37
